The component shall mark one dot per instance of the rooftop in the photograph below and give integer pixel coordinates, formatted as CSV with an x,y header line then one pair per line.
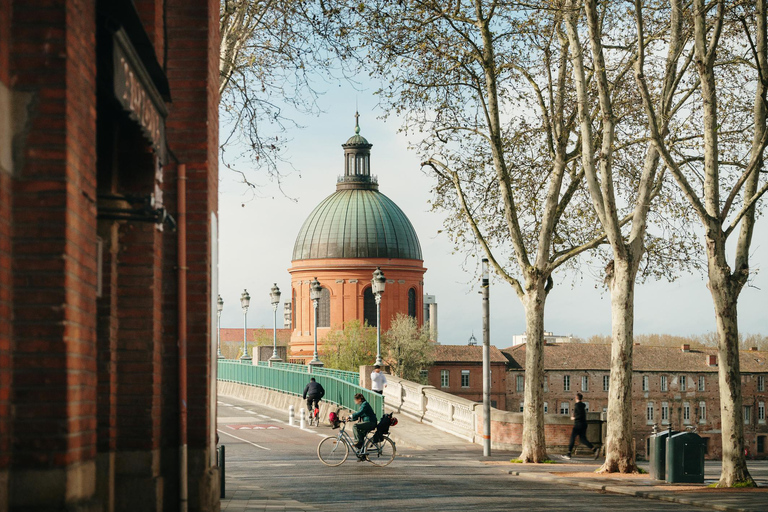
x,y
588,356
465,354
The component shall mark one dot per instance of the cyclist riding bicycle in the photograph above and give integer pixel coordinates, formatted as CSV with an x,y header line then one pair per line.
x,y
367,419
313,392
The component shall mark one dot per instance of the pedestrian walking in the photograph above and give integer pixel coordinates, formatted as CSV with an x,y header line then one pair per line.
x,y
378,380
580,428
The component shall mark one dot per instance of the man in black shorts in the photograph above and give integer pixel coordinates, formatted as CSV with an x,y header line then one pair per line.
x,y
313,392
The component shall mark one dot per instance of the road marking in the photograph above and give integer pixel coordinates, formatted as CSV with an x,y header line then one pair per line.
x,y
225,405
239,408
244,440
251,412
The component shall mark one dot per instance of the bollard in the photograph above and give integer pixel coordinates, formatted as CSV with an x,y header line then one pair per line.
x,y
290,415
302,419
222,469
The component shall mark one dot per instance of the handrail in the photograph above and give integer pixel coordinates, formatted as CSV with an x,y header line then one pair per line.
x,y
351,377
293,381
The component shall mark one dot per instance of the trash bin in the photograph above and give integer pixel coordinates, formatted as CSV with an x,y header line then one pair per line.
x,y
685,458
658,453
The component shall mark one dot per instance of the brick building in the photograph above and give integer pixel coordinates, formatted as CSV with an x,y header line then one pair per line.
x,y
108,181
458,369
675,387
344,239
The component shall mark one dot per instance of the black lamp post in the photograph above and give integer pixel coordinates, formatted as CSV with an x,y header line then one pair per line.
x,y
245,300
274,296
315,292
377,287
219,308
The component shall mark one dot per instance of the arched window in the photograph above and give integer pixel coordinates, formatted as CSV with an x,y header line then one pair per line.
x,y
369,307
324,309
412,303
293,309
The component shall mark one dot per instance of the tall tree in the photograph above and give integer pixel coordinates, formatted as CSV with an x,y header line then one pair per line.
x,y
272,56
408,347
488,88
601,147
350,347
720,175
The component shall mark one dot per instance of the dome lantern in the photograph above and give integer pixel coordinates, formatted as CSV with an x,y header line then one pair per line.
x,y
357,162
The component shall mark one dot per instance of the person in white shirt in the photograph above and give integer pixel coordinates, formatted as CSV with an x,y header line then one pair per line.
x,y
378,380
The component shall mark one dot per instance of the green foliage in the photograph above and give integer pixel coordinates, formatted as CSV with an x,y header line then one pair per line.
x,y
516,461
408,348
350,347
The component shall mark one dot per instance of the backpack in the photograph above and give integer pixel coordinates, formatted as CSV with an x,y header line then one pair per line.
x,y
387,421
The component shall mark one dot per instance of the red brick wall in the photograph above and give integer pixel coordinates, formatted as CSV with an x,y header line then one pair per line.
x,y
54,235
192,128
475,390
674,397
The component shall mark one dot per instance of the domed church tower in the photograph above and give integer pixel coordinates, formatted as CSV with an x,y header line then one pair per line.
x,y
345,238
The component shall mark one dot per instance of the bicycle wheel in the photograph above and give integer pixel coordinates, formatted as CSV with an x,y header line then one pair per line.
x,y
332,452
382,453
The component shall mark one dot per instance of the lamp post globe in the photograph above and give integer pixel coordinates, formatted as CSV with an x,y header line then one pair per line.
x,y
219,309
245,301
377,287
315,292
274,297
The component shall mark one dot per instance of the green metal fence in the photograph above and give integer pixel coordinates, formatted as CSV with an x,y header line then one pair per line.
x,y
293,381
351,377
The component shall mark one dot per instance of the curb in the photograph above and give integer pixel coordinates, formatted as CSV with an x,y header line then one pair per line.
x,y
617,489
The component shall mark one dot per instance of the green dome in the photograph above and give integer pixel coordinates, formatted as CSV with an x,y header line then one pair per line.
x,y
357,223
357,139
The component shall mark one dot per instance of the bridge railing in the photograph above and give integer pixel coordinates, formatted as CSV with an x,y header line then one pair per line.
x,y
351,377
285,378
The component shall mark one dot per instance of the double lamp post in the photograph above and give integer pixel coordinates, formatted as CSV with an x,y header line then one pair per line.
x,y
378,284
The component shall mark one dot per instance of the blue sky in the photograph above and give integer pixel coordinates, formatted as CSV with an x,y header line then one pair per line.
x,y
257,235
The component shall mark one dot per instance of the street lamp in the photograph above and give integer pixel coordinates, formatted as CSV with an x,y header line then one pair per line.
x,y
315,292
274,296
219,308
245,300
377,287
485,285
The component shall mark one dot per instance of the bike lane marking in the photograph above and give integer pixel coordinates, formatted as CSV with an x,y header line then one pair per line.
x,y
243,440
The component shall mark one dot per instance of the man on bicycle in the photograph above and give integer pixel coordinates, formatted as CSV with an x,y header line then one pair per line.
x,y
367,419
313,392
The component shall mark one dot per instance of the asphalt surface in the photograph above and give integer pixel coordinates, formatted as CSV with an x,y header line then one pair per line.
x,y
275,467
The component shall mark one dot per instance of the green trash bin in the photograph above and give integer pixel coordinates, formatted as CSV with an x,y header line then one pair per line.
x,y
685,458
658,453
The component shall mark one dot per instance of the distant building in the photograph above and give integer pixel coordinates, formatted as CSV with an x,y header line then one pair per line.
x,y
342,242
520,339
671,386
430,315
458,369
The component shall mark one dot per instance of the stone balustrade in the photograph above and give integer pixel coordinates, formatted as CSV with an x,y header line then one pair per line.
x,y
464,418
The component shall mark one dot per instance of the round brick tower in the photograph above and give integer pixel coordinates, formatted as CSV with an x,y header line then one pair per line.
x,y
345,238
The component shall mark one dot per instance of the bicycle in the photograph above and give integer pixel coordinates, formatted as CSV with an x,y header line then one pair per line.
x,y
314,417
333,451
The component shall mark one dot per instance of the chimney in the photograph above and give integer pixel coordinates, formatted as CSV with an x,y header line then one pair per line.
x,y
711,360
685,347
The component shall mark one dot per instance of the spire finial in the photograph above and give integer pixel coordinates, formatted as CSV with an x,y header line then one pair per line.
x,y
357,122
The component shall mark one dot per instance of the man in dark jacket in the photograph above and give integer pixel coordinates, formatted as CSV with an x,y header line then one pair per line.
x,y
580,427
313,392
367,419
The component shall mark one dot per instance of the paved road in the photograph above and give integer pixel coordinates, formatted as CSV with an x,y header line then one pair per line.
x,y
277,469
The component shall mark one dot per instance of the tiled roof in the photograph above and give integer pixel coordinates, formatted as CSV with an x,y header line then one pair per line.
x,y
464,354
587,356
235,334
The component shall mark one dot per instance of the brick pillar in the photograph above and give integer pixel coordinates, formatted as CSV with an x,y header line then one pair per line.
x,y
138,485
52,65
106,405
192,128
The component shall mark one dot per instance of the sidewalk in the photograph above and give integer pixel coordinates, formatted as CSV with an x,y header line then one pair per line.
x,y
700,495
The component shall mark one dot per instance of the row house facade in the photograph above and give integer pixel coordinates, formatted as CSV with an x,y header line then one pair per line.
x,y
458,369
671,387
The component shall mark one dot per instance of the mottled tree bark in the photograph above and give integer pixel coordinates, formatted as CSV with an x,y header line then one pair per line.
x,y
534,444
